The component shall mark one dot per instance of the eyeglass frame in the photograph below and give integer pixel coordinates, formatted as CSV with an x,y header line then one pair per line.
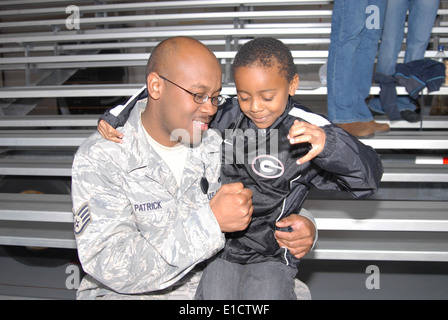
x,y
205,96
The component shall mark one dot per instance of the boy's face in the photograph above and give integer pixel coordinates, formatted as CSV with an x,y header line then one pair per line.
x,y
263,93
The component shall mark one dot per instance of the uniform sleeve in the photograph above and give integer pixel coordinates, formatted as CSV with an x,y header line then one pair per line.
x,y
348,164
115,252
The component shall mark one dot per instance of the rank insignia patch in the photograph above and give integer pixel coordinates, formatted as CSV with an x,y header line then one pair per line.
x,y
81,219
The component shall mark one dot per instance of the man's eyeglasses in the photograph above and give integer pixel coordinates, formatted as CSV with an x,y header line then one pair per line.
x,y
201,97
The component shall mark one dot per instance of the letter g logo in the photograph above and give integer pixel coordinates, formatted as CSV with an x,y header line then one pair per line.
x,y
267,166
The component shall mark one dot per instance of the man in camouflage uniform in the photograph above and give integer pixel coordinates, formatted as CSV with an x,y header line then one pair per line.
x,y
136,230
140,229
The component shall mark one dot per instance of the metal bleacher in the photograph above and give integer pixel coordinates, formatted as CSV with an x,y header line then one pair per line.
x,y
406,221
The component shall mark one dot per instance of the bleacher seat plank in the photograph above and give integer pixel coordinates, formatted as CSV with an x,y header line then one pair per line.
x,y
415,140
83,120
127,90
36,207
140,6
202,16
37,234
368,215
43,138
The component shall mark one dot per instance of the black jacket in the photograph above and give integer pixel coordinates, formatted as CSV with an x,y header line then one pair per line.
x,y
280,186
414,76
418,74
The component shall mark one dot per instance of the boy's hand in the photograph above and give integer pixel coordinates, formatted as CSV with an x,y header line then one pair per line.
x,y
109,133
302,132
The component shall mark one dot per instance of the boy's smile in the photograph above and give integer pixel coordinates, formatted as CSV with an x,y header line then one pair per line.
x,y
263,93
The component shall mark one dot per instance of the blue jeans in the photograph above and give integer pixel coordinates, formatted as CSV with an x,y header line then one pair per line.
x,y
224,280
351,57
422,14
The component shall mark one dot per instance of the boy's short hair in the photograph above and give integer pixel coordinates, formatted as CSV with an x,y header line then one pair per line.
x,y
266,52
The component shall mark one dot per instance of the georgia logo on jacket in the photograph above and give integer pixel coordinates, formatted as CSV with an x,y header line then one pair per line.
x,y
268,166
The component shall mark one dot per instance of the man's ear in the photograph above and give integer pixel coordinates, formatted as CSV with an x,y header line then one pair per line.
x,y
153,85
294,85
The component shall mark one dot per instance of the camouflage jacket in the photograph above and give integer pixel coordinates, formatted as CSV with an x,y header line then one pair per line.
x,y
140,235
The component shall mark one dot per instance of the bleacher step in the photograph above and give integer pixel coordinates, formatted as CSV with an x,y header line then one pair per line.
x,y
36,207
428,121
368,215
49,166
415,140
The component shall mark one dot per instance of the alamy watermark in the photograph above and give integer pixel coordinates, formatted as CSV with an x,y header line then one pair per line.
x,y
264,160
73,278
373,280
373,20
73,21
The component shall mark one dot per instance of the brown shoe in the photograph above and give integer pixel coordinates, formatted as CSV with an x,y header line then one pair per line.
x,y
358,129
379,127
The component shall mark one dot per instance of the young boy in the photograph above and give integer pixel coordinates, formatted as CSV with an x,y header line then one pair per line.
x,y
253,265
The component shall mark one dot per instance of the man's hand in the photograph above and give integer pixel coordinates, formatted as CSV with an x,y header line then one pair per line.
x,y
302,132
109,133
232,206
300,241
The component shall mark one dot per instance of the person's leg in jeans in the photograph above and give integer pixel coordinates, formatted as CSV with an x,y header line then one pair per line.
x,y
392,37
352,51
367,53
347,25
220,280
391,41
268,281
422,14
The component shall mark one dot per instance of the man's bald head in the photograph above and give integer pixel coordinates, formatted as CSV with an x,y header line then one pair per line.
x,y
176,49
177,65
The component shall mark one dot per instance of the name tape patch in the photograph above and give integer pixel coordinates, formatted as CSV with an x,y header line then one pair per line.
x,y
148,206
